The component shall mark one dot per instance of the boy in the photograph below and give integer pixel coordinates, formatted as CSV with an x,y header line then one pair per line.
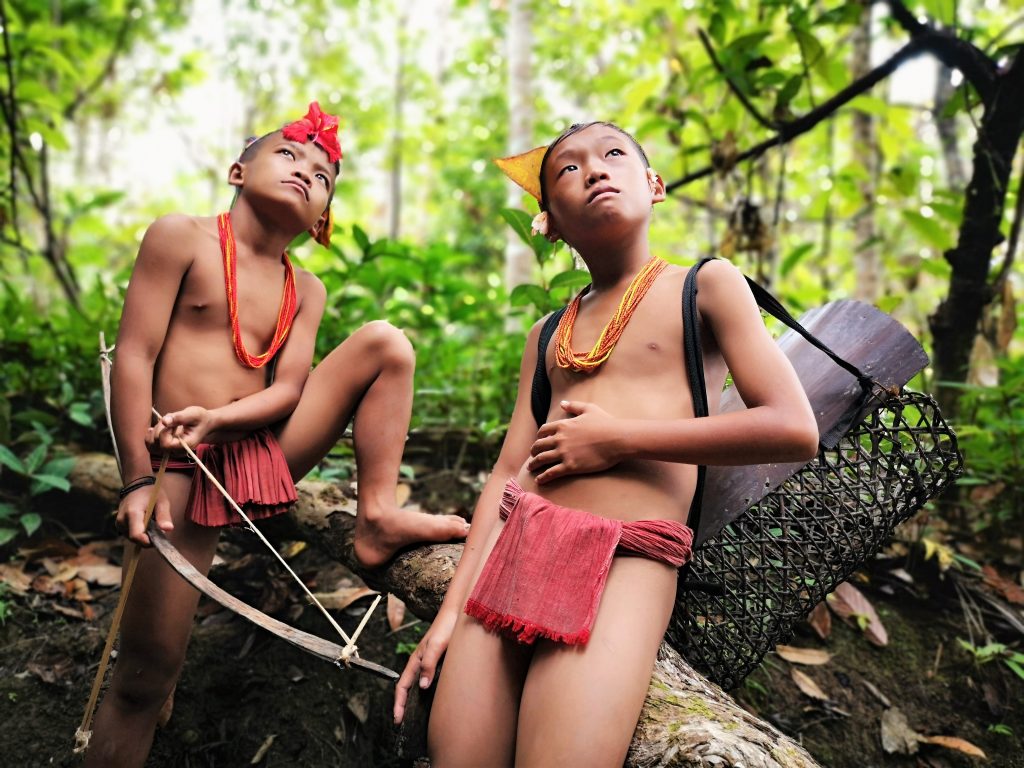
x,y
204,294
617,454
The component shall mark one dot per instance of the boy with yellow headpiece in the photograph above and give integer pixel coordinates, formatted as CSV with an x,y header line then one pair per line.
x,y
218,333
553,619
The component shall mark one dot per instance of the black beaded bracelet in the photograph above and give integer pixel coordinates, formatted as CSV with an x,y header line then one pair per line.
x,y
134,485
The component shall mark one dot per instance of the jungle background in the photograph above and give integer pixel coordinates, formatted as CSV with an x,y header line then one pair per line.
x,y
829,149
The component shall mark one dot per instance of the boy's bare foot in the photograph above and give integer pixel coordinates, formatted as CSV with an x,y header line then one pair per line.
x,y
377,541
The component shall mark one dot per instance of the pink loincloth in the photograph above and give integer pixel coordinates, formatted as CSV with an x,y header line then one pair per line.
x,y
547,571
253,470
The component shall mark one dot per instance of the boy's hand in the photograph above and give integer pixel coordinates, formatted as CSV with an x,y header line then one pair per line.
x,y
575,446
190,424
422,664
131,514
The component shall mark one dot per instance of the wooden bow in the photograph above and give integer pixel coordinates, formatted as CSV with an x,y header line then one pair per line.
x,y
325,649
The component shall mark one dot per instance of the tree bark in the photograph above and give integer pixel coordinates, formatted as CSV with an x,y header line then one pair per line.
x,y
866,258
686,721
957,320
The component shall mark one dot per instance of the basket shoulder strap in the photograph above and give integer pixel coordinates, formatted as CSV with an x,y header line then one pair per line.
x,y
540,393
694,359
774,307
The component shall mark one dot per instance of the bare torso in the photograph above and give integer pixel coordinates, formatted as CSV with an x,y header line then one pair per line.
x,y
197,364
645,378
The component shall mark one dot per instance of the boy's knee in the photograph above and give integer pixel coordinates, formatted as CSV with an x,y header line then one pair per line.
x,y
146,682
142,689
390,345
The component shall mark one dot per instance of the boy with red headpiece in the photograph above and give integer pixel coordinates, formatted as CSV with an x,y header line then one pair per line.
x,y
551,633
218,334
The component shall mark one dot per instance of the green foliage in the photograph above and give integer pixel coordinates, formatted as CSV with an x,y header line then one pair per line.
x,y
5,606
1014,660
451,310
991,435
50,396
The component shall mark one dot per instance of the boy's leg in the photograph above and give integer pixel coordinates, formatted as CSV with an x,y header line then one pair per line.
x,y
476,705
370,375
155,629
580,705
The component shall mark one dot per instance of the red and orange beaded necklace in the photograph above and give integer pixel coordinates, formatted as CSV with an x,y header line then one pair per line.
x,y
285,315
588,362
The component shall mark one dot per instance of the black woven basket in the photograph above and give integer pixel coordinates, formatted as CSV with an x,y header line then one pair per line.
x,y
767,569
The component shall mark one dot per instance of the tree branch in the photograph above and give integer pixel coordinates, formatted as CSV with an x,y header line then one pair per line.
x,y
951,50
747,104
116,50
789,131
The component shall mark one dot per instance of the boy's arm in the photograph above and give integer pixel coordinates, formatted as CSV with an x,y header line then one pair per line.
x,y
778,424
156,278
522,431
269,405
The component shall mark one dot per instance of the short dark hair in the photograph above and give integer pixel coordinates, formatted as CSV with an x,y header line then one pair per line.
x,y
574,129
252,147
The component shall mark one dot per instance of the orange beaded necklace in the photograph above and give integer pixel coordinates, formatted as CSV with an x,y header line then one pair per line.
x,y
588,362
285,315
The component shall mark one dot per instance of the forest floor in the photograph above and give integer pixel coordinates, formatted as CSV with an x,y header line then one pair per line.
x,y
248,698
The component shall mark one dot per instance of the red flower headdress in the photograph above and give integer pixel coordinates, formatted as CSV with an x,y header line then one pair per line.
x,y
320,128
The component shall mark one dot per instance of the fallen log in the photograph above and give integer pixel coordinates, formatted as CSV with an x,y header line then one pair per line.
x,y
686,721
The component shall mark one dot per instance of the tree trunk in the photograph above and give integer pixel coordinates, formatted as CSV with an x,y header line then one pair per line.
x,y
395,173
866,261
956,322
686,721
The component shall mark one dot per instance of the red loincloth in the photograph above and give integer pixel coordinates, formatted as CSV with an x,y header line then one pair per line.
x,y
547,571
253,470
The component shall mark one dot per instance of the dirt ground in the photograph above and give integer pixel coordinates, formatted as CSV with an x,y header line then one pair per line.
x,y
247,697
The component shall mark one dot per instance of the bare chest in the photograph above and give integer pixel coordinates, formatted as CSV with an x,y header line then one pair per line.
x,y
203,300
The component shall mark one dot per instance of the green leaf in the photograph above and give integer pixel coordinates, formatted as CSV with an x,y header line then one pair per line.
x,y
361,239
942,11
812,49
571,278
1017,668
31,522
9,460
520,221
789,91
794,257
934,233
41,483
61,466
6,534
80,414
35,459
527,293
716,28
7,510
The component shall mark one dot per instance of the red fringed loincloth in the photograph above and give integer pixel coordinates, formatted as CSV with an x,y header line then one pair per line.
x,y
253,470
547,571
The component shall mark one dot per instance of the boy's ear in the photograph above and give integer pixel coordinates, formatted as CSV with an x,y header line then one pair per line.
x,y
321,230
553,235
236,174
657,185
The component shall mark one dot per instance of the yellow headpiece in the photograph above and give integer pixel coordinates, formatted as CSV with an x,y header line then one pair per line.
x,y
524,169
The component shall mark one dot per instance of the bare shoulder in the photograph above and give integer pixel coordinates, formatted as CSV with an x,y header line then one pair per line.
x,y
722,291
718,275
309,286
178,226
175,237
